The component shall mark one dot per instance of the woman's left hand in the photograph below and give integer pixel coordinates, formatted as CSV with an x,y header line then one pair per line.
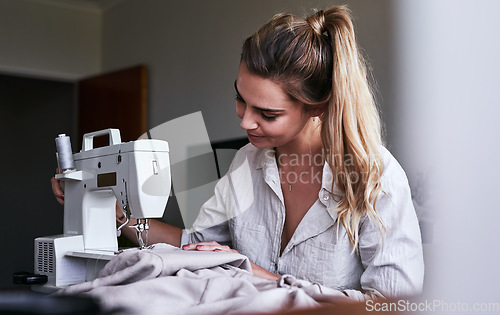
x,y
212,246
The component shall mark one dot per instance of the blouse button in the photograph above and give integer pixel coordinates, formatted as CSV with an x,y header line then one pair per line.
x,y
326,197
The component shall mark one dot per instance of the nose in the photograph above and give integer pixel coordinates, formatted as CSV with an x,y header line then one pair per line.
x,y
248,122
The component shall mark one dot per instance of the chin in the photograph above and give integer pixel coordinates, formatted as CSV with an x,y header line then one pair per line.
x,y
260,143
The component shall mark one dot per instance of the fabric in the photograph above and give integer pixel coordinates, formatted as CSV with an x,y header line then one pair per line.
x,y
247,213
167,280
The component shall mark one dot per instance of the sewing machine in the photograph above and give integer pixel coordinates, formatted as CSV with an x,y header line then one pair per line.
x,y
135,175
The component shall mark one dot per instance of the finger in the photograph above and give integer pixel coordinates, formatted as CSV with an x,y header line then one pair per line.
x,y
208,248
204,243
193,246
216,248
56,189
120,215
226,249
119,211
202,246
60,201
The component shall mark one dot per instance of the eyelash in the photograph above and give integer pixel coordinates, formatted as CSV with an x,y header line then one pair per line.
x,y
266,117
269,118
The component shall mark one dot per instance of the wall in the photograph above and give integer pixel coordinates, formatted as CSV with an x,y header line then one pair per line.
x,y
44,39
32,113
446,79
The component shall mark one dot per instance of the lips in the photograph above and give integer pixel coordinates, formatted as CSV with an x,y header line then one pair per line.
x,y
255,137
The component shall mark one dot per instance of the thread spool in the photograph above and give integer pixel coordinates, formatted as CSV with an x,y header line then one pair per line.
x,y
64,153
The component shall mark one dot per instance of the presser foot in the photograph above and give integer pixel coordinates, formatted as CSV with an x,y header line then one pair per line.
x,y
141,227
132,248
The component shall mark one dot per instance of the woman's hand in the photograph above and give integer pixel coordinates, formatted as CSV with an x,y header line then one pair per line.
x,y
57,190
59,194
212,246
216,247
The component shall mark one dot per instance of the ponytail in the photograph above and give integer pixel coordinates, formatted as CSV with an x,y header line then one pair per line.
x,y
351,128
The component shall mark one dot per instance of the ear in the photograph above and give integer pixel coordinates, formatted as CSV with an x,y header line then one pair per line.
x,y
318,110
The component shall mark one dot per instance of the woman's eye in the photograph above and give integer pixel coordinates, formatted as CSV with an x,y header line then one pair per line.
x,y
269,117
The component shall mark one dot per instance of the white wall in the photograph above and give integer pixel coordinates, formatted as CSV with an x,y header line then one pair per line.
x,y
447,81
48,40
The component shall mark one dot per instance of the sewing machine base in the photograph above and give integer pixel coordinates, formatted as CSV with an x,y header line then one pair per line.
x,y
63,259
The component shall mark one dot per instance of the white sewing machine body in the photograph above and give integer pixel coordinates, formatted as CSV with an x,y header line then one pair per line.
x,y
135,174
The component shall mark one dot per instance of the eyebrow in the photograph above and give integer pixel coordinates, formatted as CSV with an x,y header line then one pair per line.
x,y
267,110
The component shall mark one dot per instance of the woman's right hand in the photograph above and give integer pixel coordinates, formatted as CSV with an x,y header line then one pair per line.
x,y
57,190
59,194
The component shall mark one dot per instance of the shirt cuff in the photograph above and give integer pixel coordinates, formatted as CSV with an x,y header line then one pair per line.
x,y
186,237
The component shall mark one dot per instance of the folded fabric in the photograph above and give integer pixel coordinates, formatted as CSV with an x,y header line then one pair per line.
x,y
167,280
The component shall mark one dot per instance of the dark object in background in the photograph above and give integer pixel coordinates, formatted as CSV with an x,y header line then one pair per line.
x,y
27,302
227,144
24,277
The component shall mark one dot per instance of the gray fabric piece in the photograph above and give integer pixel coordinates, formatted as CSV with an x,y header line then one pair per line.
x,y
168,280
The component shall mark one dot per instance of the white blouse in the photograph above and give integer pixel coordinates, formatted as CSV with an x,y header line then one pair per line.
x,y
247,213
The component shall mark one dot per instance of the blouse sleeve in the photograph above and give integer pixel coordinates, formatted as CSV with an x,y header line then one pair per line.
x,y
393,260
212,221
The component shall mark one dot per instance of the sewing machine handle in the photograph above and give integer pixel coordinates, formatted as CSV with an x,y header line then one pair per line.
x,y
88,138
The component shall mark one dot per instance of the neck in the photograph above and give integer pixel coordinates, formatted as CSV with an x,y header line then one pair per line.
x,y
308,142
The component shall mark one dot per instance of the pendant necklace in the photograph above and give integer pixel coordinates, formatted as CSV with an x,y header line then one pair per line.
x,y
283,179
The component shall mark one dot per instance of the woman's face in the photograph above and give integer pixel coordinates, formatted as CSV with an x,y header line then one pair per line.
x,y
269,116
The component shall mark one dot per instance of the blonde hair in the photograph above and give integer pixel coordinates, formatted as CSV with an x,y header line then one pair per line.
x,y
317,62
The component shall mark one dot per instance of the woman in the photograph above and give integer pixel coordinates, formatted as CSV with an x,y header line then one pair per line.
x,y
315,194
